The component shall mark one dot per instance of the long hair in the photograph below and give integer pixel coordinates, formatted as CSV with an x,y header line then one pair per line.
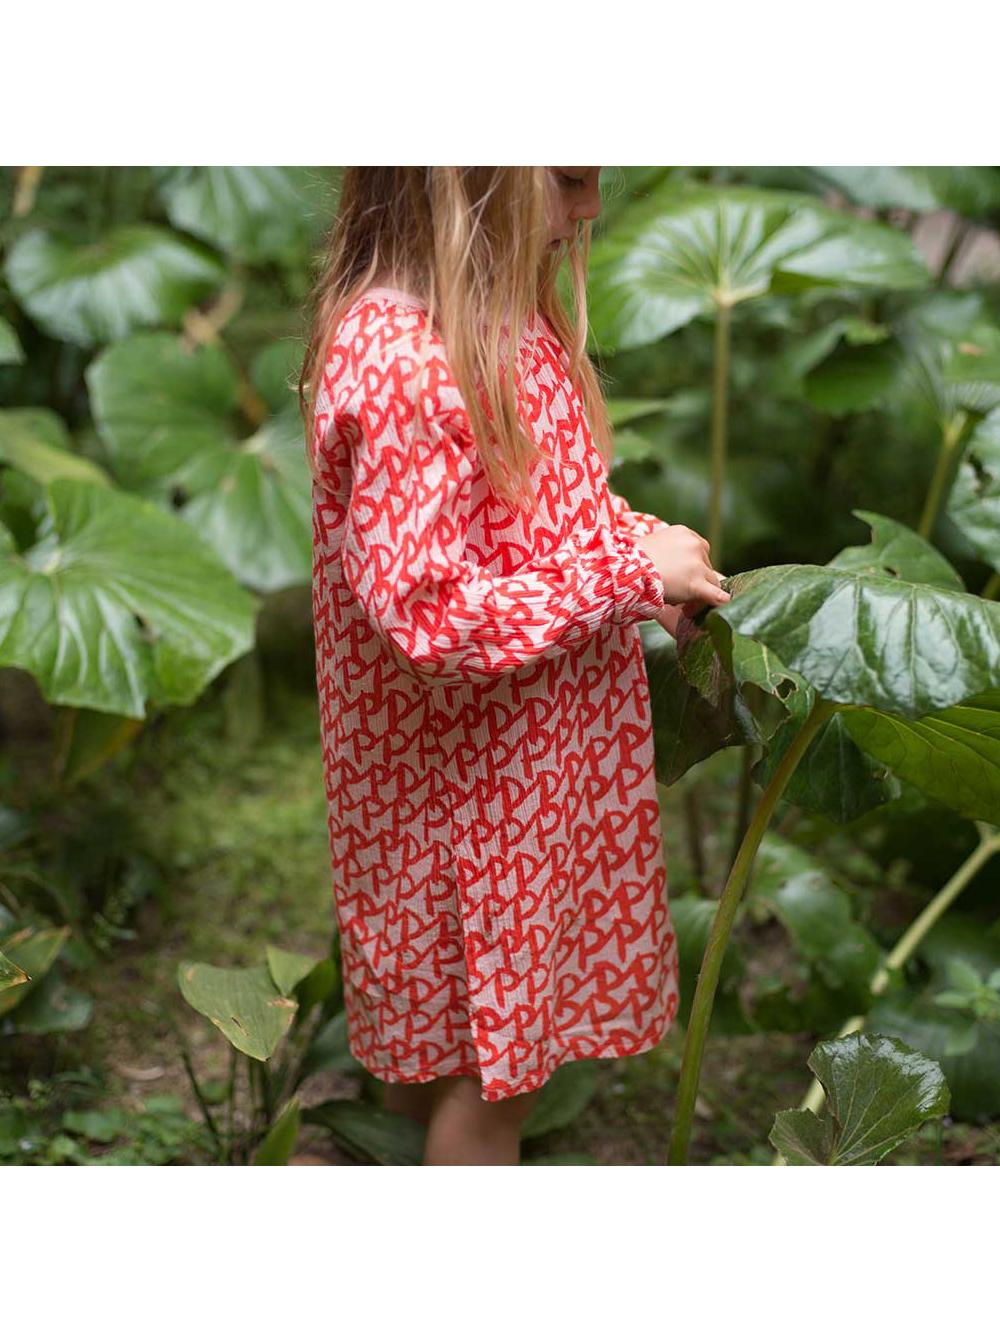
x,y
469,243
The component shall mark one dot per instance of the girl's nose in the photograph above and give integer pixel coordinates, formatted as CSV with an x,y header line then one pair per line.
x,y
589,207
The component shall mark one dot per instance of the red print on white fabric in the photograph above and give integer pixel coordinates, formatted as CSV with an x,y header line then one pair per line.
x,y
495,836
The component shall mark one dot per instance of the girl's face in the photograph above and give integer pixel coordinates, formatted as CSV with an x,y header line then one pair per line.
x,y
571,193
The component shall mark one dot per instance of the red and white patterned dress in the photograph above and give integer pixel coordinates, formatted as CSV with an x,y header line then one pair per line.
x,y
495,835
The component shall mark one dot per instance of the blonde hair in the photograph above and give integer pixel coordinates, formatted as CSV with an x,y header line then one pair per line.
x,y
470,243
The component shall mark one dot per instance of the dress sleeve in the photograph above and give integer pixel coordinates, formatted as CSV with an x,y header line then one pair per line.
x,y
447,619
633,522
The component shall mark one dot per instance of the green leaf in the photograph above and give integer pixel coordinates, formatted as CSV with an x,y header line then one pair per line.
x,y
98,1126
37,443
622,411
818,916
11,351
370,1133
871,640
288,969
853,379
974,500
564,1096
242,1002
952,754
33,949
253,213
10,974
973,1072
899,551
691,248
135,275
693,917
879,1091
972,190
281,1138
167,415
329,1049
686,726
119,604
52,1006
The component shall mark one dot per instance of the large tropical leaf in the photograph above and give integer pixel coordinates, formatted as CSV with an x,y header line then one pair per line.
x,y
878,1092
897,550
952,755
242,1002
973,190
872,640
690,249
136,275
119,604
253,213
167,413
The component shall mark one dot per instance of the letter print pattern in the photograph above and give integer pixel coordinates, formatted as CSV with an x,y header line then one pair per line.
x,y
494,830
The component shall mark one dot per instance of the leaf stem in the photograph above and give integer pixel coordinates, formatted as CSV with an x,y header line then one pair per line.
x,y
989,845
718,938
991,586
950,437
720,385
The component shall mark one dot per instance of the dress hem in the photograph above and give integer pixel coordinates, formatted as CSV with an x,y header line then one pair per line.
x,y
394,1074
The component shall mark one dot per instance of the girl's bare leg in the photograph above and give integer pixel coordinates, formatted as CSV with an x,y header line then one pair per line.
x,y
412,1099
466,1130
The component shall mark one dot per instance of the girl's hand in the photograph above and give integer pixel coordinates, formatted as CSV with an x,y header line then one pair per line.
x,y
681,557
669,617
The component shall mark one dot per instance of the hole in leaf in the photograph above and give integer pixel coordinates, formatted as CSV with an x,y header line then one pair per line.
x,y
179,497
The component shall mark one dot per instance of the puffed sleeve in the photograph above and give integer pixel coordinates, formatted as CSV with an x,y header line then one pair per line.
x,y
445,617
633,522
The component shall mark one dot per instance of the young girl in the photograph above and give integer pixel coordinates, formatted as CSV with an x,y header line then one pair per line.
x,y
497,854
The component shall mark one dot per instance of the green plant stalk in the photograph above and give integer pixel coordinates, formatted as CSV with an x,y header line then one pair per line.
x,y
720,386
989,845
718,938
992,586
743,801
950,437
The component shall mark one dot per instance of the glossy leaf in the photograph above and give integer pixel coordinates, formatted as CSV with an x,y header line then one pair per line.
x,y
691,248
134,276
872,640
878,1092
118,605
974,500
167,415
899,551
242,1002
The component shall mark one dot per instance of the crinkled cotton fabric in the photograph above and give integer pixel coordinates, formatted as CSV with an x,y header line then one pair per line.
x,y
497,854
